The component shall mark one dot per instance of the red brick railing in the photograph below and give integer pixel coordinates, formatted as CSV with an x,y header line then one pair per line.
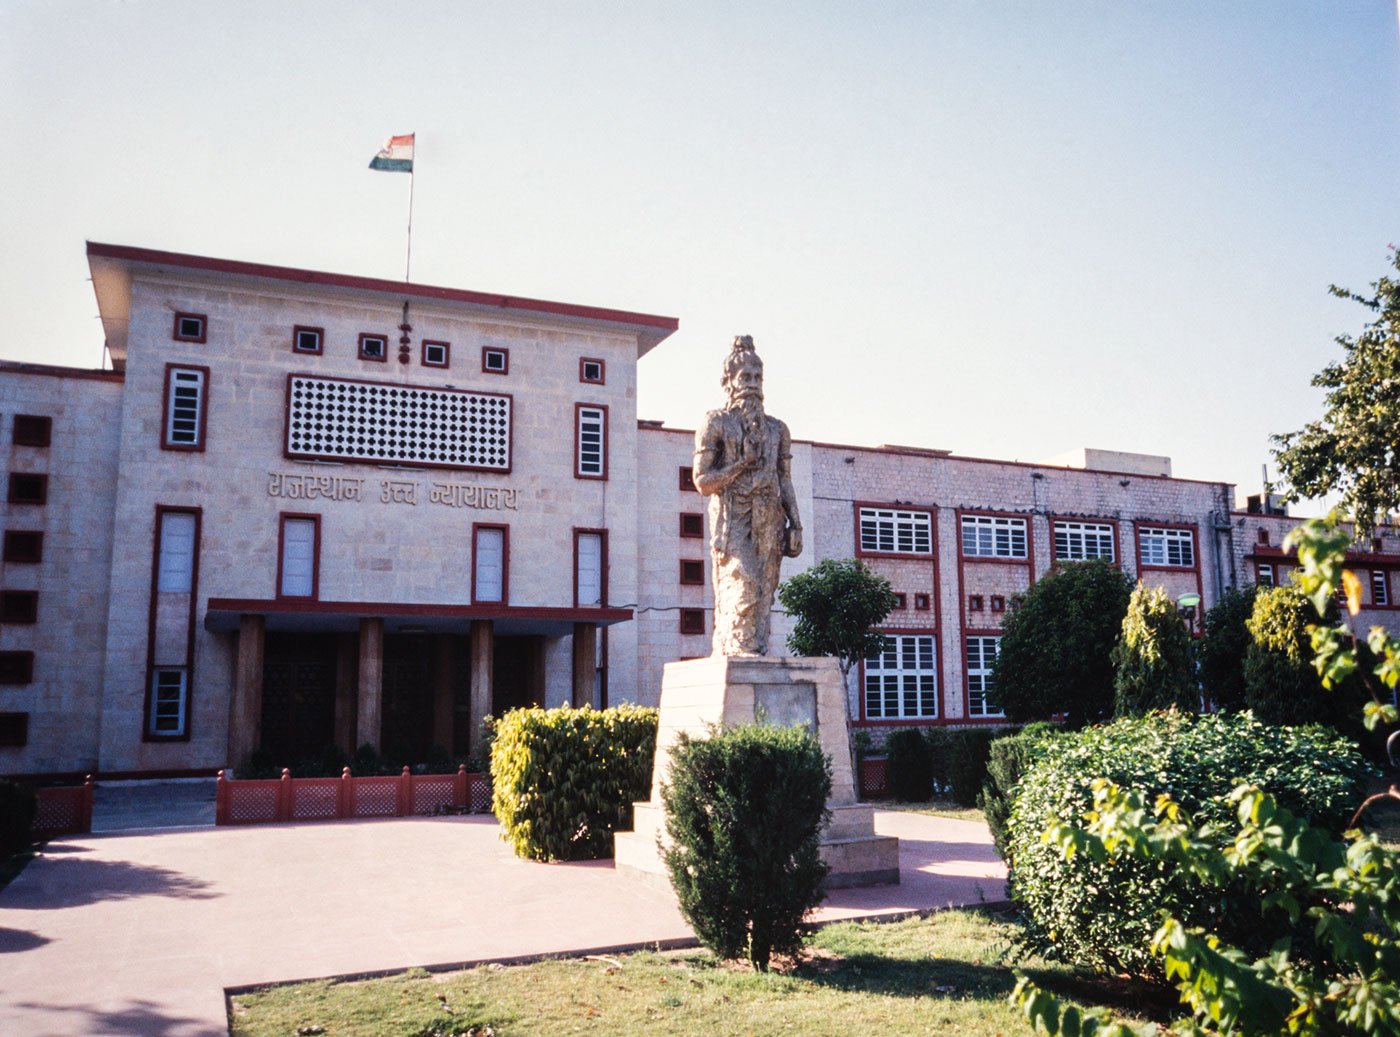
x,y
65,810
260,801
874,778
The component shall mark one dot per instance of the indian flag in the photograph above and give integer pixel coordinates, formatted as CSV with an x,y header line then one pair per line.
x,y
396,156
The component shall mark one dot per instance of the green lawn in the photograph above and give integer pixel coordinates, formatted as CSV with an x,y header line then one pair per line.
x,y
935,808
943,974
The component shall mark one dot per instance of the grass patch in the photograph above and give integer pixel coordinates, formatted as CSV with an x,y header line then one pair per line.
x,y
942,974
936,808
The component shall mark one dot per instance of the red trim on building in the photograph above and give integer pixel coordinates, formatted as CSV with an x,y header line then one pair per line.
x,y
504,369
480,610
446,353
582,370
204,391
315,519
203,335
505,560
1101,520
922,631
374,284
54,371
578,445
396,462
692,572
320,334
146,734
370,336
603,567
697,520
928,509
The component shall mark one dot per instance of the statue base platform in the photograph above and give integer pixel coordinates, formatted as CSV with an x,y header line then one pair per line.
x,y
732,690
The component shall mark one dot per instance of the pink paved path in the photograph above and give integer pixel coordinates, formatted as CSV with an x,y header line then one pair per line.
x,y
139,934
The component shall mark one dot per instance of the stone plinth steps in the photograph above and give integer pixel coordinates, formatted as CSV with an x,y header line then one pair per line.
x,y
738,690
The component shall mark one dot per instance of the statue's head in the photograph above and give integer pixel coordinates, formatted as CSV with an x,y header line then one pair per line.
x,y
743,372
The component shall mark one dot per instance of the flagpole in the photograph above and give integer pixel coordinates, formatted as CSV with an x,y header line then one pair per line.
x,y
408,261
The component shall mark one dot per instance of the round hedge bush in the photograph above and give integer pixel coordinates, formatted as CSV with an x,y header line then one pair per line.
x,y
1102,915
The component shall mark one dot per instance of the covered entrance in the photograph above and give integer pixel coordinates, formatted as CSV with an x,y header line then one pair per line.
x,y
310,674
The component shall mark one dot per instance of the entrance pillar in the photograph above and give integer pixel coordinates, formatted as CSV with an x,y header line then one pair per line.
x,y
245,712
371,682
585,663
483,642
346,688
443,698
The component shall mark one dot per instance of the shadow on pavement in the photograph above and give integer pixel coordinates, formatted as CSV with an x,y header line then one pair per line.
x,y
134,1019
74,882
14,940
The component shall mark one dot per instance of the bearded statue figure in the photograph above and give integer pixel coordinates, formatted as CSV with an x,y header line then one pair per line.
x,y
743,463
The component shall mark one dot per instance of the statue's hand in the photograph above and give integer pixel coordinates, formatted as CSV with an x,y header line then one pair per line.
x,y
792,543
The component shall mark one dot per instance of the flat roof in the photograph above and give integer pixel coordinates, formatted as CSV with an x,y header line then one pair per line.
x,y
112,267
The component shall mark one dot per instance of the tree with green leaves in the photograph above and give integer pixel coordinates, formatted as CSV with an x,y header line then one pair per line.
x,y
1281,685
1222,650
1343,981
836,606
1055,647
1153,659
1354,450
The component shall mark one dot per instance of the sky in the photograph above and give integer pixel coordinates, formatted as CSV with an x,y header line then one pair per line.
x,y
1006,229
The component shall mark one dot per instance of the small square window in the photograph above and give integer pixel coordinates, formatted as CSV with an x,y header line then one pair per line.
x,y
692,524
14,730
922,602
1263,536
24,546
692,572
435,353
495,361
16,667
974,603
590,369
307,340
28,488
32,430
692,621
19,606
190,327
998,603
374,347
686,481
901,601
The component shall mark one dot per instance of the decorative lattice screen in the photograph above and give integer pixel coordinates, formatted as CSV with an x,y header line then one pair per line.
x,y
370,421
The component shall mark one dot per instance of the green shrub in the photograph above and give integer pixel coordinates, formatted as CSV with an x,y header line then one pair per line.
x,y
1154,668
563,780
1222,650
1054,653
17,806
744,810
1102,914
910,765
1007,760
968,751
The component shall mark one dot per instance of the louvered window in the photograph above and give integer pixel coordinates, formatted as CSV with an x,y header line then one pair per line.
x,y
987,536
592,443
1083,541
169,696
1172,547
981,655
890,531
184,408
902,681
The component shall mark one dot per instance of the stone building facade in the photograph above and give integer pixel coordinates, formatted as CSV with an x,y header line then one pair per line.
x,y
307,509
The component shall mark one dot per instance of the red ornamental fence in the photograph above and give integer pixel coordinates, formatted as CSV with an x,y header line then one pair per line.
x,y
261,801
874,778
65,810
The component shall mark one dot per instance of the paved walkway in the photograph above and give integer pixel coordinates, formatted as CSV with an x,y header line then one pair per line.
x,y
140,933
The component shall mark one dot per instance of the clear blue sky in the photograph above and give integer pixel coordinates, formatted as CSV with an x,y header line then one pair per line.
x,y
1006,229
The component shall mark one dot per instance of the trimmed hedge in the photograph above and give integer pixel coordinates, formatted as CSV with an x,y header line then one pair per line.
x,y
744,810
563,780
1102,914
960,760
1007,760
910,764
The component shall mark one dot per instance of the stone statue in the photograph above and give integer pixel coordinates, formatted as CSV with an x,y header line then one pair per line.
x,y
743,463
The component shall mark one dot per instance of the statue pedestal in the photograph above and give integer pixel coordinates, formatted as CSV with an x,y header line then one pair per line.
x,y
730,690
